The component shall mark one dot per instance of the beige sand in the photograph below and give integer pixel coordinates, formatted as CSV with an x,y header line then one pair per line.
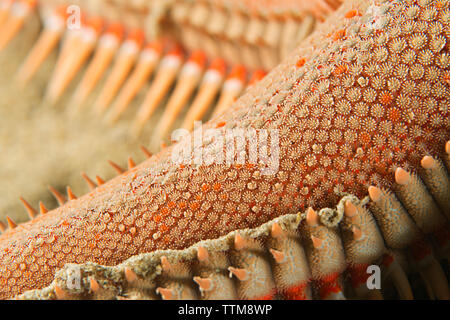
x,y
42,145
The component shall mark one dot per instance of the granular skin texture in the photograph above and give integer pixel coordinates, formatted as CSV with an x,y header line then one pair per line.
x,y
371,95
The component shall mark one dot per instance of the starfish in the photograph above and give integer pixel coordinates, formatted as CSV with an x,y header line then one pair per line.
x,y
360,108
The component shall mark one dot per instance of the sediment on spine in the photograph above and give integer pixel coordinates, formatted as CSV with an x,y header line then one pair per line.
x,y
149,267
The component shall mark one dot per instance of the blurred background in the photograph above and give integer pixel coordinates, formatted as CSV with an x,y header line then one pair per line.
x,y
43,145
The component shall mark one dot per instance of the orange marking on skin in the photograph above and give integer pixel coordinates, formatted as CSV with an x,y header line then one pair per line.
x,y
296,292
340,34
352,13
340,69
358,275
205,187
328,285
270,296
300,62
221,124
157,218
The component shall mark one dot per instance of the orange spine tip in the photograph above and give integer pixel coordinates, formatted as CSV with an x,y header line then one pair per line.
x,y
402,177
61,11
166,294
42,208
241,274
428,162
100,181
204,284
202,254
137,36
218,65
199,58
357,233
32,213
96,24
31,3
117,30
60,293
131,163
238,72
165,264
146,152
130,275
58,196
375,194
116,167
276,230
278,256
94,285
257,76
317,243
11,222
175,51
156,46
239,242
70,194
312,219
349,209
91,184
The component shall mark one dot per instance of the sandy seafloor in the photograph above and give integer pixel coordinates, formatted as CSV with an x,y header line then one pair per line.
x,y
43,145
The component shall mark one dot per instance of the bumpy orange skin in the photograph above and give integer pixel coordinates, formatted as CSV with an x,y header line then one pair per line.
x,y
359,105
